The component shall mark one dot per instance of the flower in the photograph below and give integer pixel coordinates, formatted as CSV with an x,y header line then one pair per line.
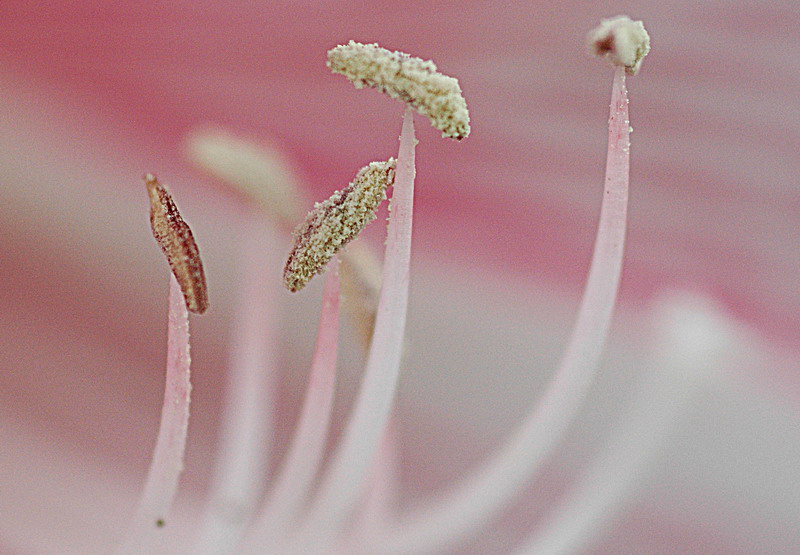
x,y
95,95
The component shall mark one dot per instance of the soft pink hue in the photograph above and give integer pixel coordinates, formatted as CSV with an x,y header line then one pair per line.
x,y
157,72
339,490
288,493
596,497
146,531
94,94
243,454
447,520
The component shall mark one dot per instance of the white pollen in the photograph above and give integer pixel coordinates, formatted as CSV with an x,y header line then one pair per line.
x,y
335,222
412,80
622,41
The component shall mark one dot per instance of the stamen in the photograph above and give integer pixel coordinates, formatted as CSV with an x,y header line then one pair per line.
x,y
412,80
622,41
187,290
178,244
380,502
470,505
245,445
146,530
341,485
254,168
260,171
335,222
293,483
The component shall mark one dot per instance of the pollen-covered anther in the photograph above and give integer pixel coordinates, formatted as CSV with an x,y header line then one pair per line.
x,y
335,222
622,41
178,244
412,80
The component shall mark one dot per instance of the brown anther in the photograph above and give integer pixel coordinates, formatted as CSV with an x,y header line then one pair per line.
x,y
178,244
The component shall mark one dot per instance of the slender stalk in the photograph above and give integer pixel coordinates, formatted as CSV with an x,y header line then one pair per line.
x,y
147,527
379,505
244,447
343,483
471,504
680,367
293,484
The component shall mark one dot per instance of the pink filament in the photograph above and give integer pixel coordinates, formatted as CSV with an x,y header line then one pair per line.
x,y
679,367
471,505
146,529
243,452
291,488
380,501
343,484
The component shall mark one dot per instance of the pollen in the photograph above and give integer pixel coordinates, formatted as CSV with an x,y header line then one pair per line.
x,y
177,242
335,222
403,77
622,41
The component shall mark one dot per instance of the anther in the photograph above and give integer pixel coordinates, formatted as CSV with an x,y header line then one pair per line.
x,y
622,41
335,222
403,77
178,244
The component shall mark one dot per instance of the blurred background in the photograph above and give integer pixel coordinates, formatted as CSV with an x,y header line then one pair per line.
x,y
95,94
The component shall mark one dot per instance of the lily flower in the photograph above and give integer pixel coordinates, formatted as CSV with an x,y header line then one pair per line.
x,y
686,440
